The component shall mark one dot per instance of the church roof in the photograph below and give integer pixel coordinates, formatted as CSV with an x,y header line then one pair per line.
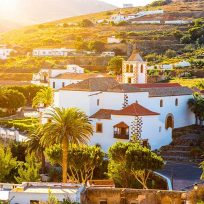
x,y
109,84
135,57
79,76
134,109
154,90
92,84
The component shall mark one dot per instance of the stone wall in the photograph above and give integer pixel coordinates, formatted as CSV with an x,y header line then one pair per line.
x,y
131,196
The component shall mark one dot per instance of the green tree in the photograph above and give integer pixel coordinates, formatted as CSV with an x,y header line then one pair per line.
x,y
7,162
196,105
34,145
11,100
115,65
97,46
170,53
186,39
86,23
131,157
67,127
28,171
82,160
44,96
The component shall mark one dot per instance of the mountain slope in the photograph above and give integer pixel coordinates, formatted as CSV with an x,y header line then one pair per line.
x,y
39,11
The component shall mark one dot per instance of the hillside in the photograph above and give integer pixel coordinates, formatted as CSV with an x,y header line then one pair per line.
x,y
54,34
151,39
34,12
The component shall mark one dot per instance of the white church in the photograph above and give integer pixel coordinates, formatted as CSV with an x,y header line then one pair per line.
x,y
118,111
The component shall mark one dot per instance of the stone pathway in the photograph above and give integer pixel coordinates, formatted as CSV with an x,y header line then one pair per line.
x,y
184,174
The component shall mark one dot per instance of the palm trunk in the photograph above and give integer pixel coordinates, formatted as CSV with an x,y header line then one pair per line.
x,y
64,159
43,162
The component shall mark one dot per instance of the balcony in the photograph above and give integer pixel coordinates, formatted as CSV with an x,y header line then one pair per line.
x,y
123,136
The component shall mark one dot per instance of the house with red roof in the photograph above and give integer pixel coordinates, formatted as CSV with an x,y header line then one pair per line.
x,y
132,109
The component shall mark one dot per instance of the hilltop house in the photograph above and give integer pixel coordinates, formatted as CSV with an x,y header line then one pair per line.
x,y
5,52
113,39
55,52
119,111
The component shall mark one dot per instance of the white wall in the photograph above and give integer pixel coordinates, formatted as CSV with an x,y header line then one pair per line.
x,y
5,53
156,135
59,82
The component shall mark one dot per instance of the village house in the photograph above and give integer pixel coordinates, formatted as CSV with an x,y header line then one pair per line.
x,y
44,75
113,40
5,52
108,54
128,6
55,52
28,193
119,111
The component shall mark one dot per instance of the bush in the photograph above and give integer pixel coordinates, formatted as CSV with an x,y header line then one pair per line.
x,y
87,23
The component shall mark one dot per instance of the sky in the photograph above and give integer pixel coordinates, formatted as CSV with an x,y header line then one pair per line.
x,y
120,3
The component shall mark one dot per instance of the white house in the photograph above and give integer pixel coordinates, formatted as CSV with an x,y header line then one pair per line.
x,y
28,193
44,75
108,54
128,5
117,18
5,53
55,52
65,79
113,40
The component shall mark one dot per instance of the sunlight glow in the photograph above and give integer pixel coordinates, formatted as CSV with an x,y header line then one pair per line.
x,y
8,8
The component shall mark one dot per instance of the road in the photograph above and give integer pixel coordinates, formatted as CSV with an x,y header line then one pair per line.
x,y
184,175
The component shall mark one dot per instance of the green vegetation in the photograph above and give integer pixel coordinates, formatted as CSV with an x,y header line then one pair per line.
x,y
7,162
28,170
131,160
11,100
196,105
67,126
82,160
26,124
43,97
115,65
197,82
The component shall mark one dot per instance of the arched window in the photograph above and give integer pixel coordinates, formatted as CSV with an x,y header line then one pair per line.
x,y
127,68
131,68
176,102
142,69
161,103
169,123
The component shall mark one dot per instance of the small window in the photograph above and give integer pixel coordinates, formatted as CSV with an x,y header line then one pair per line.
x,y
53,85
99,127
131,68
34,202
161,103
127,68
98,102
142,69
160,129
176,102
103,202
63,84
129,80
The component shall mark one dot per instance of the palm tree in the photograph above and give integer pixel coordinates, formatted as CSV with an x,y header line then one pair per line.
x,y
44,96
67,127
34,145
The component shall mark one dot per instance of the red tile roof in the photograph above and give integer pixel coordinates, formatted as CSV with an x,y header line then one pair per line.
x,y
134,109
